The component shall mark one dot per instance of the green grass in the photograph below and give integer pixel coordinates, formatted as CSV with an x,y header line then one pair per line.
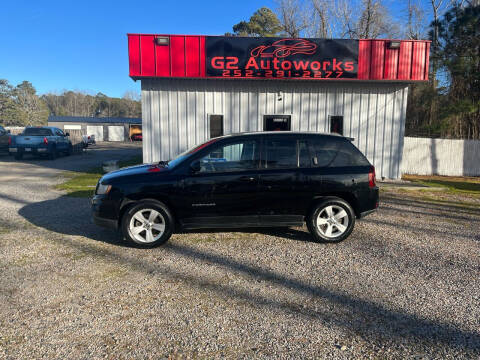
x,y
82,184
454,185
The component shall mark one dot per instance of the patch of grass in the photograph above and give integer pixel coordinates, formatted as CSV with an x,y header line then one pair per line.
x,y
444,198
82,184
459,185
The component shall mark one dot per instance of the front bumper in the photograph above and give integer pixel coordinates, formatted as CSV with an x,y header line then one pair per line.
x,y
106,223
101,208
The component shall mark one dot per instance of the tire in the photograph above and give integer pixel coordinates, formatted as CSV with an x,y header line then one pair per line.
x,y
18,156
331,220
151,233
53,154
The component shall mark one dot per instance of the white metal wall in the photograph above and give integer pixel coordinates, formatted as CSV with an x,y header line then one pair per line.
x,y
175,113
422,156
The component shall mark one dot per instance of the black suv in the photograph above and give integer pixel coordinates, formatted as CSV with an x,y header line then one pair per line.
x,y
244,180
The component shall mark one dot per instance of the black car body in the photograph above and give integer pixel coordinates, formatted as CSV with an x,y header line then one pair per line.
x,y
244,180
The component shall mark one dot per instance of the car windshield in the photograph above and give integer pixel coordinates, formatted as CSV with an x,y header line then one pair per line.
x,y
186,154
37,132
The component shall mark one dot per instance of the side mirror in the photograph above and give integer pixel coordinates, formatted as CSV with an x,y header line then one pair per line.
x,y
67,134
195,166
8,131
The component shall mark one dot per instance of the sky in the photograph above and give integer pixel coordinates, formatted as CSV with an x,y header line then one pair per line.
x,y
82,45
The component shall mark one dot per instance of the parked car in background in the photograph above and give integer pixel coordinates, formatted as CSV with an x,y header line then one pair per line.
x,y
41,140
246,180
136,137
88,140
4,139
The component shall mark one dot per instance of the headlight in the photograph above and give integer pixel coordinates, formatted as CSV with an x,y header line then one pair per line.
x,y
103,189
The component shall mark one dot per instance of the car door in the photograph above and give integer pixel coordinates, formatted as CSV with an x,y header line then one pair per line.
x,y
62,140
282,188
334,164
222,190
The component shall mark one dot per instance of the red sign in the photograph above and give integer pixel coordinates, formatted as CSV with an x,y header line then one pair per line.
x,y
232,57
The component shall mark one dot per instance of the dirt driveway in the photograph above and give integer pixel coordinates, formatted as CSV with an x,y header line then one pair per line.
x,y
405,284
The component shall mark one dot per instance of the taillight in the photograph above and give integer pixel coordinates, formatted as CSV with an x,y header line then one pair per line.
x,y
45,141
9,140
371,177
89,138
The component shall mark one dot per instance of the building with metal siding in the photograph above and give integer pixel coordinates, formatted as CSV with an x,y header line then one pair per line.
x,y
180,98
176,113
104,129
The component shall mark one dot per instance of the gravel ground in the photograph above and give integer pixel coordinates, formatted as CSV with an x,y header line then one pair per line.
x,y
406,284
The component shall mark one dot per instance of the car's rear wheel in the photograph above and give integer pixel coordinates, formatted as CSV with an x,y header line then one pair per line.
x,y
148,224
331,220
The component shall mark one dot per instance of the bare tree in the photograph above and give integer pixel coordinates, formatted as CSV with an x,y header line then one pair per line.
x,y
292,16
344,20
374,21
416,21
321,22
131,95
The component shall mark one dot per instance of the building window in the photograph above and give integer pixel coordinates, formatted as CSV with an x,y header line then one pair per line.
x,y
336,124
216,126
277,122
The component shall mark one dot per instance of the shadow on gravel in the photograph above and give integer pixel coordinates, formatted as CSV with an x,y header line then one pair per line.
x,y
93,156
365,317
71,216
282,232
440,205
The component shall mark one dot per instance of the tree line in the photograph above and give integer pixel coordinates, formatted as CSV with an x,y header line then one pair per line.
x,y
448,105
20,105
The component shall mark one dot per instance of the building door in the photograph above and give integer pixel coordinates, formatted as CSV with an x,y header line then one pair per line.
x,y
277,122
96,130
116,133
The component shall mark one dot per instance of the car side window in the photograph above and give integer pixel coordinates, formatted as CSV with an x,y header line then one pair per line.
x,y
2,131
337,153
59,132
280,153
238,156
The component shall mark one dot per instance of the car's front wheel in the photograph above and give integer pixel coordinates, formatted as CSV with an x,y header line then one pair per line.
x,y
148,224
331,220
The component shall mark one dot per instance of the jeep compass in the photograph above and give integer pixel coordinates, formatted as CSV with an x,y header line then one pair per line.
x,y
275,179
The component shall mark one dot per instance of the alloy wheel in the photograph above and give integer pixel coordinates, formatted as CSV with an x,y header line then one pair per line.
x,y
332,221
146,226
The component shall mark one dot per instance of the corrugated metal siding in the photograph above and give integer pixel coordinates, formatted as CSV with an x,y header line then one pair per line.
x,y
175,113
185,56
423,156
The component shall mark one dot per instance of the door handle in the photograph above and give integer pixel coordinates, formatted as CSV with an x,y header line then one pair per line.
x,y
247,178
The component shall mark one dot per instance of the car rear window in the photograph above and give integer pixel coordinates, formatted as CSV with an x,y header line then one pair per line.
x,y
37,132
337,153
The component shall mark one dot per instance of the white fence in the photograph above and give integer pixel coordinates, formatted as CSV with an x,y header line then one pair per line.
x,y
423,156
